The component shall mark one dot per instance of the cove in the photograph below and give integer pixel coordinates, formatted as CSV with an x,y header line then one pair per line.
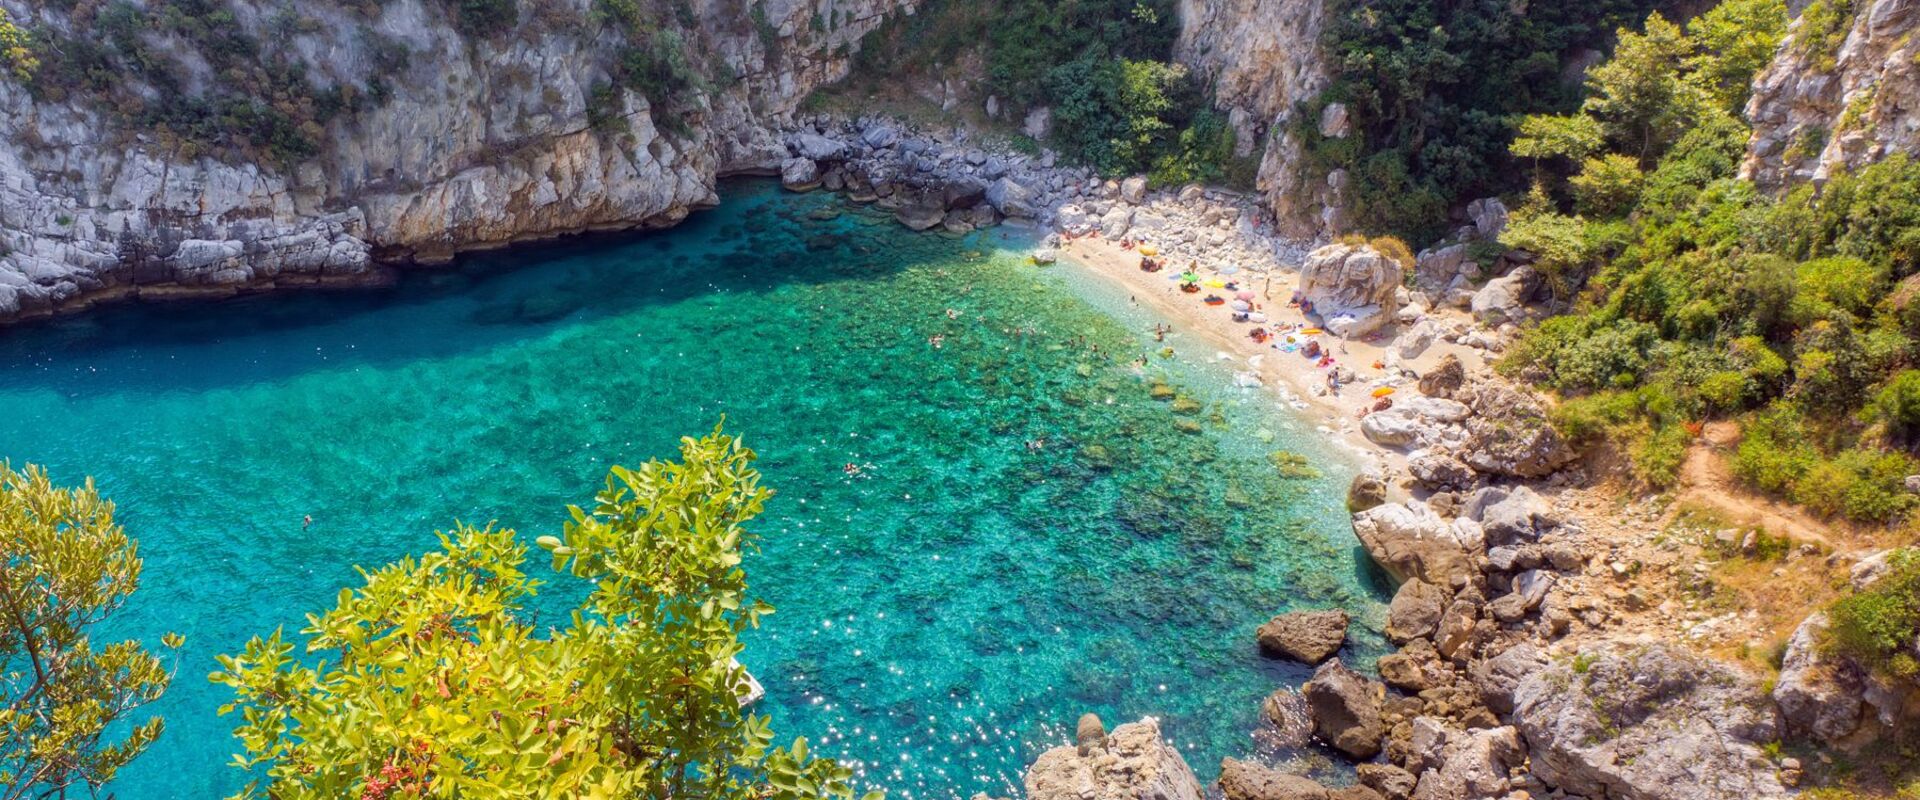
x,y
1031,535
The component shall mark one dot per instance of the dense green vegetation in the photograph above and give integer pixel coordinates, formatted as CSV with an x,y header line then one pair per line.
x,y
1878,626
436,681
1431,88
67,706
1104,66
1695,296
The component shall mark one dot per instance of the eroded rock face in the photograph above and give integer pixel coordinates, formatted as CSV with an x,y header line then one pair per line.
x,y
1352,287
482,142
1647,722
1817,112
1264,60
1134,763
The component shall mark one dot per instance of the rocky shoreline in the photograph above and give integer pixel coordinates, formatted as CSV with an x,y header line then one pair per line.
x,y
1516,676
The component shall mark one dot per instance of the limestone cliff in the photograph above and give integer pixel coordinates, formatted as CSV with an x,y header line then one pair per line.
x,y
1264,60
1842,92
479,141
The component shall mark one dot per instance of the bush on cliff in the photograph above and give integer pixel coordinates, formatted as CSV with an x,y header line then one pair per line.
x,y
435,680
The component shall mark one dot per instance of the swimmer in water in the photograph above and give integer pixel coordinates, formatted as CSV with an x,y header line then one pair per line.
x,y
306,522
851,469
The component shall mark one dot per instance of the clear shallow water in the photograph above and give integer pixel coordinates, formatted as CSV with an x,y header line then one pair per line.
x,y
942,618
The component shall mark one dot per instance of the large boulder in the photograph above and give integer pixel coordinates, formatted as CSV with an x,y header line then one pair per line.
x,y
1445,378
1509,434
1245,780
1820,696
1346,710
1647,722
1309,637
1366,490
1511,516
1291,721
1134,190
1409,540
1504,299
1440,471
1134,763
1013,199
1499,677
1352,287
1415,667
800,174
1415,611
816,147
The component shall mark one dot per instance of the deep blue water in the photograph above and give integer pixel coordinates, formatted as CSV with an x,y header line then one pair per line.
x,y
942,617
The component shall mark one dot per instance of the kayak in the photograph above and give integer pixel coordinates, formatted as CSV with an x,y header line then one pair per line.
x,y
1313,331
1383,391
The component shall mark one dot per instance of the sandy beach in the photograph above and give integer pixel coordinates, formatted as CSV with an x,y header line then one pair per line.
x,y
1293,377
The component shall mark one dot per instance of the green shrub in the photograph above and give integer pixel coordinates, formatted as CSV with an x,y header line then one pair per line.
x,y
1586,418
1612,356
1898,403
1879,625
1774,453
1658,454
484,18
1608,185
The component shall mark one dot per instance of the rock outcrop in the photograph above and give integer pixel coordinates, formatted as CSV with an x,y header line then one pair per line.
x,y
1133,763
1351,287
1833,101
482,141
1647,722
1264,60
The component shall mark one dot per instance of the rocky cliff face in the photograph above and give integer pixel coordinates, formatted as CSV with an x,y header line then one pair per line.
x,y
1842,92
1264,59
482,142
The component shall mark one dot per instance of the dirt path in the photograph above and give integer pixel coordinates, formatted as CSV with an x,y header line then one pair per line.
x,y
1707,481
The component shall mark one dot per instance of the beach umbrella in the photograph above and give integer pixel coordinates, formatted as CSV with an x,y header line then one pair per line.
x,y
1242,305
1189,277
1245,295
1229,270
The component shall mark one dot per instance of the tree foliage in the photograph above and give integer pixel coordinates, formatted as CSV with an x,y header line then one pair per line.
x,y
1433,87
433,680
67,707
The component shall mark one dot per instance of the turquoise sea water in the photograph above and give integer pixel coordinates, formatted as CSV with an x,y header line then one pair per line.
x,y
1031,535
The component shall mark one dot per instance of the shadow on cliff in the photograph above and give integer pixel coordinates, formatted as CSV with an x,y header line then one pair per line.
x,y
757,240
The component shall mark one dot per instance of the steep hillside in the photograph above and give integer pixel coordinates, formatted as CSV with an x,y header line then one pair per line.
x,y
1843,92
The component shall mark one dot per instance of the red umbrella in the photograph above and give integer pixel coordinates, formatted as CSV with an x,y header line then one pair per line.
x,y
1245,295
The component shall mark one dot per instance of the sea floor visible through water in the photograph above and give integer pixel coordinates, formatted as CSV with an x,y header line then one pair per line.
x,y
1030,535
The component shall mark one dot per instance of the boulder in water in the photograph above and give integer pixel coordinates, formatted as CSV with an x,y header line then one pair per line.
x,y
1309,637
